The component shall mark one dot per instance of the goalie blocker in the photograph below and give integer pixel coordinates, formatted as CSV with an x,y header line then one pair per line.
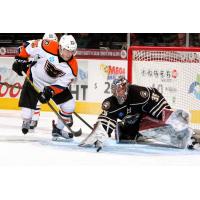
x,y
134,112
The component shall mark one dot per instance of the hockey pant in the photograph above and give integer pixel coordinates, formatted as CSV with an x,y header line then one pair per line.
x,y
29,100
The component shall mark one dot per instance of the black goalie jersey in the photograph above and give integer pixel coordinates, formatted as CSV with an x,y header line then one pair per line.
x,y
140,101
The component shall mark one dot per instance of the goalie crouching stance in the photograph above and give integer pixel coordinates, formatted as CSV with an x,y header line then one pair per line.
x,y
135,113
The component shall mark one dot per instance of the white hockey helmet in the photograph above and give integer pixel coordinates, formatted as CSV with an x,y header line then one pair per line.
x,y
50,36
69,43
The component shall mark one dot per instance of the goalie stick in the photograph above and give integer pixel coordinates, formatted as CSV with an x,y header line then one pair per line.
x,y
77,115
75,133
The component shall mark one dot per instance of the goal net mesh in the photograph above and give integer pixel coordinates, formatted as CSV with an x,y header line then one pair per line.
x,y
175,72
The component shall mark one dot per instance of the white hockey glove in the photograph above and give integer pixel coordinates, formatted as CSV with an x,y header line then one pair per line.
x,y
97,137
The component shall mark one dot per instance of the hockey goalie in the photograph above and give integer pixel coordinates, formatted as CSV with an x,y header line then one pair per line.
x,y
136,113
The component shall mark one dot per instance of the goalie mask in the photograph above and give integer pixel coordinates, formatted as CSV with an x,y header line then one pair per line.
x,y
119,89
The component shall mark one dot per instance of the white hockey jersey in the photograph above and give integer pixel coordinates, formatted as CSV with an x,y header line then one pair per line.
x,y
50,69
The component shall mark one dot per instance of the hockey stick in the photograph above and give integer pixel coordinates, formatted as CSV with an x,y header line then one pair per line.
x,y
75,133
77,115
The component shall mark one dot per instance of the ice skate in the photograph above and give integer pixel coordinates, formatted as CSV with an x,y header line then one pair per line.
x,y
58,133
33,124
25,126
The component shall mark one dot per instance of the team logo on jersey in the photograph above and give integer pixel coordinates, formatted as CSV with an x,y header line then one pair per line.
x,y
52,71
106,105
144,94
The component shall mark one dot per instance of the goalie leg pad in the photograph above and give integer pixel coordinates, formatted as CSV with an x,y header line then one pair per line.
x,y
168,135
179,120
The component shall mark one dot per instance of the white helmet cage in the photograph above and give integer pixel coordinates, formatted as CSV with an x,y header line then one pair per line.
x,y
69,43
119,82
50,36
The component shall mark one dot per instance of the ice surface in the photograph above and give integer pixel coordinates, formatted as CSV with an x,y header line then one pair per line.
x,y
34,167
37,148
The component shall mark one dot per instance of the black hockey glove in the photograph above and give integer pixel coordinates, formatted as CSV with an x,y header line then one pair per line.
x,y
20,65
45,96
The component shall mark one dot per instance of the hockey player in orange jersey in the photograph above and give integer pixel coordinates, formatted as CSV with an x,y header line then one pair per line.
x,y
52,74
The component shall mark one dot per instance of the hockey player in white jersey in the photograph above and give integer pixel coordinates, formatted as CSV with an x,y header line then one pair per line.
x,y
134,112
53,72
36,113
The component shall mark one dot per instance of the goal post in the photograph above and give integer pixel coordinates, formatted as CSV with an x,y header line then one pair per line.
x,y
174,71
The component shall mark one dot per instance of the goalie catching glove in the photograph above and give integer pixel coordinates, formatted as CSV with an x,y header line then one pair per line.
x,y
46,95
96,138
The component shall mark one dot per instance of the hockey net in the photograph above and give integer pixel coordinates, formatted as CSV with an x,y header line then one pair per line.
x,y
174,71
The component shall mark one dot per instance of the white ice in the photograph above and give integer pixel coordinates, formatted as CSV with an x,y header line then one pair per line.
x,y
37,148
34,167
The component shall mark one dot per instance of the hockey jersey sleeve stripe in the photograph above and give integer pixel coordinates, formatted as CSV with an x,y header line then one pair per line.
x,y
22,53
106,118
157,105
118,109
74,66
50,46
108,124
160,108
165,107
